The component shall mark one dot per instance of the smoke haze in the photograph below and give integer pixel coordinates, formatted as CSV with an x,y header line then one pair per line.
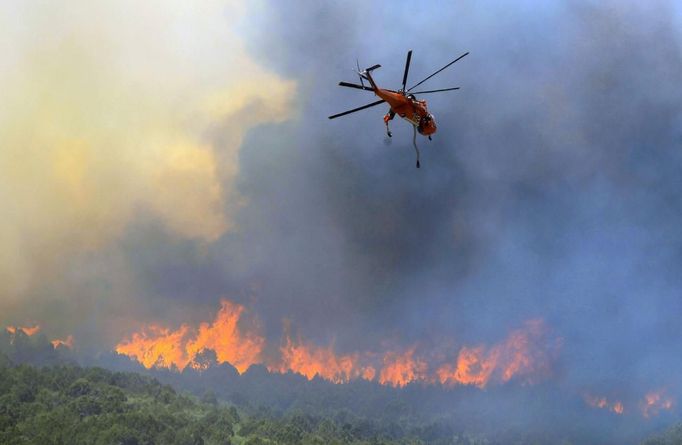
x,y
156,163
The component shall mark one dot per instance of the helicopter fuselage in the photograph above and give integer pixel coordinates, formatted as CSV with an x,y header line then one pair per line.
x,y
402,102
408,107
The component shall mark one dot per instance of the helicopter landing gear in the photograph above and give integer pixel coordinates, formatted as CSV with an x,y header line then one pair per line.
x,y
414,142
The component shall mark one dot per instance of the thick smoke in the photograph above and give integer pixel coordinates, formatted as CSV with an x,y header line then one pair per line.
x,y
108,111
551,190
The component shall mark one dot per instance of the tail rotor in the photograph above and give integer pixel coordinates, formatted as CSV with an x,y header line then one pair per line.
x,y
357,64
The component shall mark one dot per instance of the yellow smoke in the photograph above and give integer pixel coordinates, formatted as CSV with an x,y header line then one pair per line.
x,y
116,109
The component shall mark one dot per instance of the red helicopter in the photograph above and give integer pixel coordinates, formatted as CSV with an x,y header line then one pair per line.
x,y
402,102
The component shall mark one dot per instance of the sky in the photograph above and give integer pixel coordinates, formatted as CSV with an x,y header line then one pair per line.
x,y
157,158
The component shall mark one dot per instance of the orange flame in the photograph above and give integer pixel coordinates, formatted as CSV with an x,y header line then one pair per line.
x,y
156,346
525,354
240,349
473,368
310,361
603,403
401,369
28,330
68,342
654,402
522,355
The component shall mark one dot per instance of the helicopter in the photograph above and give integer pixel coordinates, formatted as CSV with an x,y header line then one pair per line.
x,y
402,102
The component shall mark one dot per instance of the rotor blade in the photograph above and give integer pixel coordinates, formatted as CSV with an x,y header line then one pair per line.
x,y
356,109
460,57
436,91
360,87
355,85
407,68
357,63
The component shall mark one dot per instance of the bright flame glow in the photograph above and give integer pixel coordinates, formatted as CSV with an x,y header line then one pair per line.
x,y
654,402
310,361
525,355
157,346
651,405
67,342
240,349
28,330
603,403
402,368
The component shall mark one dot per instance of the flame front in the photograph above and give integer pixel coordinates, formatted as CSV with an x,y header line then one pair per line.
x,y
654,402
395,368
157,346
399,369
473,367
603,403
67,342
310,361
28,330
240,349
525,354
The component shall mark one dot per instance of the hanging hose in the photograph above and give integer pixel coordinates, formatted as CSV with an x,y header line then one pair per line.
x,y
414,142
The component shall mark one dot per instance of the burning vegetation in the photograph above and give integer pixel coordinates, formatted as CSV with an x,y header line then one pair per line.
x,y
28,330
156,346
656,401
526,355
615,406
652,404
64,343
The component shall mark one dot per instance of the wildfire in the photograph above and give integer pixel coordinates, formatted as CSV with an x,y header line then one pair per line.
x,y
240,349
68,342
394,368
28,330
603,403
399,369
472,368
651,405
654,402
521,355
157,346
311,361
525,354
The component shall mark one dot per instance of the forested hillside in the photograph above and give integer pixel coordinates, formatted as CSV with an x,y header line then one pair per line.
x,y
46,398
73,405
